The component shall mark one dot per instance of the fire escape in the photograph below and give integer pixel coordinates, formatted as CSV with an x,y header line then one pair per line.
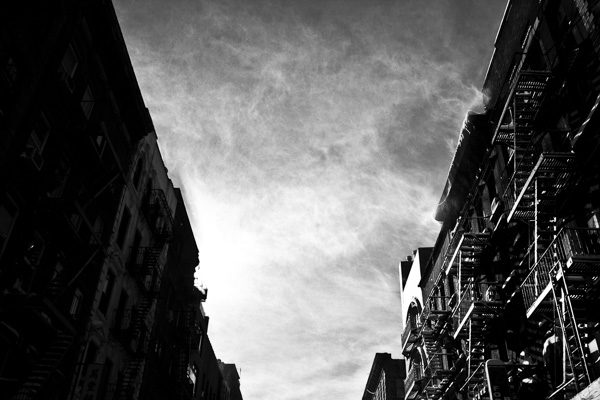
x,y
475,308
145,267
568,272
431,378
190,338
47,366
562,266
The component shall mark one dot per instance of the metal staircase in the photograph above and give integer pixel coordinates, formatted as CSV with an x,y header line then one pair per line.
x,y
525,189
137,344
158,215
577,373
570,270
145,268
46,367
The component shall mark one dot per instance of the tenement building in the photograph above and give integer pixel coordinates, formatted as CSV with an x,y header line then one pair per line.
x,y
386,379
97,255
506,305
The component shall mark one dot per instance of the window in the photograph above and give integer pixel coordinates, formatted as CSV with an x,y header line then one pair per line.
x,y
75,220
67,68
107,288
8,215
192,373
138,173
121,308
125,218
106,373
98,228
39,133
58,268
8,73
593,221
134,256
76,303
37,141
61,174
99,139
34,250
87,102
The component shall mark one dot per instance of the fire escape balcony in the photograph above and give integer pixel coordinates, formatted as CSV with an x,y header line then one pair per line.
x,y
188,326
526,98
144,267
552,172
471,318
473,305
576,249
410,335
158,214
527,95
475,384
129,328
467,255
437,379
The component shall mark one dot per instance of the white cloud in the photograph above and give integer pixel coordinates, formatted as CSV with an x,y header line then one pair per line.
x,y
311,139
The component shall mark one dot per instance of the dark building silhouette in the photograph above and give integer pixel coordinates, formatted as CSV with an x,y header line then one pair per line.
x,y
232,379
205,371
508,304
386,379
97,256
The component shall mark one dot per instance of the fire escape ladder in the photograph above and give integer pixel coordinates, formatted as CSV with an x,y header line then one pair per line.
x,y
523,106
126,390
466,259
471,317
137,342
139,316
184,360
476,358
45,368
577,371
57,285
144,264
135,337
158,214
527,97
185,337
432,348
62,281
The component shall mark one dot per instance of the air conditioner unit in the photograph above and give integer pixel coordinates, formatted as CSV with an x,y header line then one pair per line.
x,y
34,156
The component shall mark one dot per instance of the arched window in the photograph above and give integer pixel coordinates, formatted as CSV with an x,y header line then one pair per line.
x,y
414,310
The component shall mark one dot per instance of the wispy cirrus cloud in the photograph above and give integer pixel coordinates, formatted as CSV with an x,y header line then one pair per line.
x,y
311,139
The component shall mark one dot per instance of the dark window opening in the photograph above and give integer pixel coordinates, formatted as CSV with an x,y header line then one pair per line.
x,y
107,288
125,219
121,308
87,102
137,176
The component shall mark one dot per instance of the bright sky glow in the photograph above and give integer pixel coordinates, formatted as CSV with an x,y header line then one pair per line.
x,y
311,140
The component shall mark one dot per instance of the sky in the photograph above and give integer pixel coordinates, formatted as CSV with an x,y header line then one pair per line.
x,y
311,140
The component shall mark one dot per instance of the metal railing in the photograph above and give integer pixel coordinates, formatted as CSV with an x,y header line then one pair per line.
x,y
570,242
158,213
462,307
144,261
